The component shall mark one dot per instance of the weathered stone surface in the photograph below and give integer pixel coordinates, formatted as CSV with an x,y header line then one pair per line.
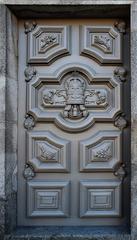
x,y
66,2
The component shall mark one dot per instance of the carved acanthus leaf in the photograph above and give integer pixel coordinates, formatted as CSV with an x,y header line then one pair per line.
x,y
104,41
120,122
29,73
29,122
121,26
120,171
120,74
29,26
28,172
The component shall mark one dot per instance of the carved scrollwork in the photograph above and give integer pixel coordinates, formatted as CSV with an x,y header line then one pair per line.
x,y
75,97
121,26
120,171
29,26
29,73
120,121
28,172
29,122
120,74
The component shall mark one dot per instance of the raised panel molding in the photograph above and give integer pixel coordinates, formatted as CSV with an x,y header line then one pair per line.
x,y
100,198
48,198
46,43
102,43
101,152
74,97
47,152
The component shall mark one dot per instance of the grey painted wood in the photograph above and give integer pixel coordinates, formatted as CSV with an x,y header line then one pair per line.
x,y
71,123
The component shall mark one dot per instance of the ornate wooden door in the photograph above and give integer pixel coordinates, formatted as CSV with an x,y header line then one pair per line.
x,y
73,142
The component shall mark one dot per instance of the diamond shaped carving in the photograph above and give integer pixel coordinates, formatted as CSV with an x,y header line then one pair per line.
x,y
46,43
48,199
100,198
47,152
101,152
102,43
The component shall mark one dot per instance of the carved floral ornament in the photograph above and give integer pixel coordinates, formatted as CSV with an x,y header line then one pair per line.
x,y
75,97
29,73
29,26
120,121
120,74
28,172
29,122
48,40
120,171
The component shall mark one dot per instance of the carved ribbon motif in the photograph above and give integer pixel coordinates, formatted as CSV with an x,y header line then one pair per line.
x,y
75,97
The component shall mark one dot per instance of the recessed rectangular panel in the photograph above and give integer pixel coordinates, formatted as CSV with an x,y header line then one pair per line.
x,y
100,198
48,199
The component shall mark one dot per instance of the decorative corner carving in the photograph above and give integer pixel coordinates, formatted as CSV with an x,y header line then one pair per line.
x,y
120,171
29,26
120,121
14,179
29,73
121,26
28,172
29,122
120,74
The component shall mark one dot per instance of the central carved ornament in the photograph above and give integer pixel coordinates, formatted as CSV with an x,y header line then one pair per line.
x,y
75,96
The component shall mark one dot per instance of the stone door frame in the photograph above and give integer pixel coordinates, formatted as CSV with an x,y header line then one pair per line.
x,y
9,94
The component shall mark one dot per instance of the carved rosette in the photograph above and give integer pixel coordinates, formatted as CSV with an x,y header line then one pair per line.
x,y
29,26
120,171
29,73
120,122
121,26
29,122
120,74
28,172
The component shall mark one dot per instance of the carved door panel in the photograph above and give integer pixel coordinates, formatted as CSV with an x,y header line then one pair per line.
x,y
73,142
